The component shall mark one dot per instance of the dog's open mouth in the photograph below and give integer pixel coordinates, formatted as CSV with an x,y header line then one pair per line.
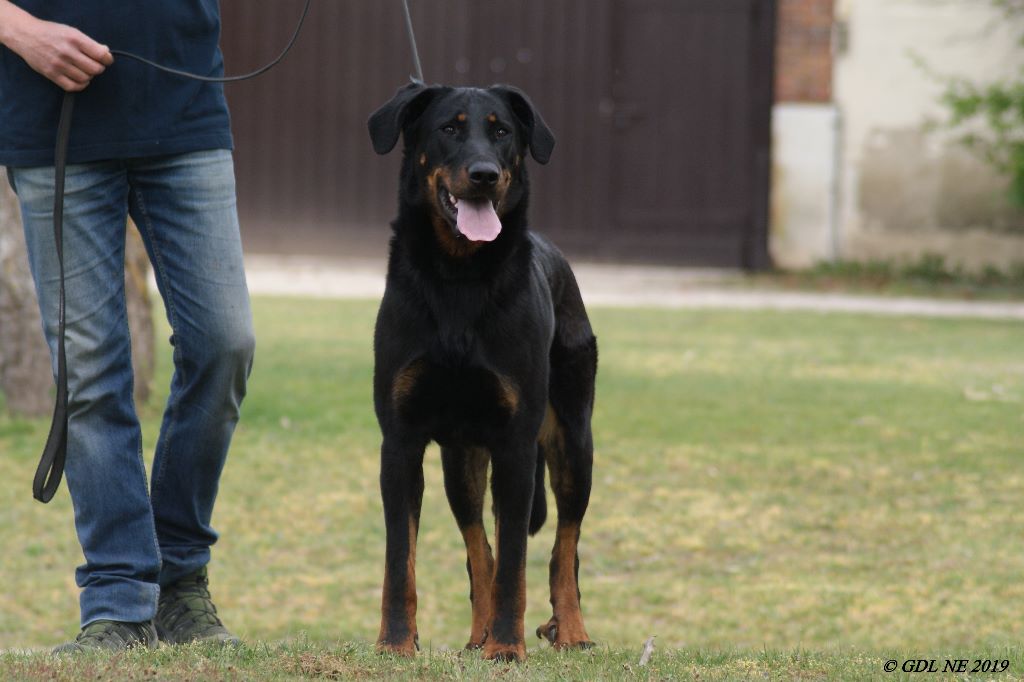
x,y
474,219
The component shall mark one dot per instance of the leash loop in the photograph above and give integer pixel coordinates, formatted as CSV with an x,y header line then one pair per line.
x,y
51,465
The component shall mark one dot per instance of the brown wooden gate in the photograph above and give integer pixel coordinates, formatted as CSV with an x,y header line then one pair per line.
x,y
661,109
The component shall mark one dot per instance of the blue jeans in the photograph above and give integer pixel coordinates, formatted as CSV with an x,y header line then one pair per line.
x,y
135,540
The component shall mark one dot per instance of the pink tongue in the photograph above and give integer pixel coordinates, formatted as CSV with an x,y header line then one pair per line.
x,y
477,220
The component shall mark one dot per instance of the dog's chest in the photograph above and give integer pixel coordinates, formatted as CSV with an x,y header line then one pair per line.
x,y
468,361
456,404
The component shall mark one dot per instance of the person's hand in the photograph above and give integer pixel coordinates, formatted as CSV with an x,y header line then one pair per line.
x,y
63,54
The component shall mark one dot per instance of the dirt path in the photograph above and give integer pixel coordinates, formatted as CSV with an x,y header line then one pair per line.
x,y
615,285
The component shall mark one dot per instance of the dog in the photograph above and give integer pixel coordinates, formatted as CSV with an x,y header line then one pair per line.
x,y
483,345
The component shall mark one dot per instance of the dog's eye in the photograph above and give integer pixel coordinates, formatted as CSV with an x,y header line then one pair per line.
x,y
449,129
501,132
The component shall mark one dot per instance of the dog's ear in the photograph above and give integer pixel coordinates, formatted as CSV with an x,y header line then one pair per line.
x,y
388,122
539,136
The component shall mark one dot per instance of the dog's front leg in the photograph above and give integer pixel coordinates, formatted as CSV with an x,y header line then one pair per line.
x,y
512,487
401,486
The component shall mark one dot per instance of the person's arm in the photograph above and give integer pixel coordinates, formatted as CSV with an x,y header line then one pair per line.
x,y
63,54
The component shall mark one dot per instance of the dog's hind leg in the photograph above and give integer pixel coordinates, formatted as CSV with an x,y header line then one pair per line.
x,y
401,484
568,447
465,483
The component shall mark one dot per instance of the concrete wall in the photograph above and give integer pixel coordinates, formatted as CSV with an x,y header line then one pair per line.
x,y
904,189
804,184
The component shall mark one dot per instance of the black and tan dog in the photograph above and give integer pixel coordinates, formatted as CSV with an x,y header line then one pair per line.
x,y
483,345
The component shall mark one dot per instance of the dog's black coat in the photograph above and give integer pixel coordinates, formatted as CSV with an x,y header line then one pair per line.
x,y
485,348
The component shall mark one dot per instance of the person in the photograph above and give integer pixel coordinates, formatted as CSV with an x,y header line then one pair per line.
x,y
158,148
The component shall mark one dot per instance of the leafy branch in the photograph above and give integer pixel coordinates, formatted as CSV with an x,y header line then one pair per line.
x,y
991,117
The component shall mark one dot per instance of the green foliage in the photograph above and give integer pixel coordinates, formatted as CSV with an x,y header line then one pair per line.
x,y
990,117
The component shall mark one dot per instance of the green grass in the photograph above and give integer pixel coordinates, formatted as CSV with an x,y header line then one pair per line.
x,y
775,493
345,660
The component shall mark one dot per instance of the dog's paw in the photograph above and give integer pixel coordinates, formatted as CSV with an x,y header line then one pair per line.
x,y
406,648
474,644
509,653
564,637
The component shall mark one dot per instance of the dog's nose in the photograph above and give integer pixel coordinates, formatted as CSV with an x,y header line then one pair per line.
x,y
483,174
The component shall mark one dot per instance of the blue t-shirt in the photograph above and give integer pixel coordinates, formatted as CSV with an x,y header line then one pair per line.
x,y
130,110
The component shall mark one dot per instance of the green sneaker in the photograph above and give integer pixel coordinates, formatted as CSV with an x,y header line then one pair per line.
x,y
111,635
186,613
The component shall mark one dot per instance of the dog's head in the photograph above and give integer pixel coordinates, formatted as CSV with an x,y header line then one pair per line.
x,y
463,156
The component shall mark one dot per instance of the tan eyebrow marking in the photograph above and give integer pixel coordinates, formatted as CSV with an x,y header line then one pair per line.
x,y
461,117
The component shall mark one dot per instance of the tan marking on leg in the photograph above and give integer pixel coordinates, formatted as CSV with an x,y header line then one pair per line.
x,y
514,651
423,159
552,437
508,394
565,629
405,381
551,434
410,644
509,651
410,576
481,569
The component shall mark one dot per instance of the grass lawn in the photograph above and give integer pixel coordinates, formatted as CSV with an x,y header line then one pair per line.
x,y
783,493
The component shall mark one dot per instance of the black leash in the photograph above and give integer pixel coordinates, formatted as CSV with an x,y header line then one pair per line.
x,y
51,464
225,79
412,42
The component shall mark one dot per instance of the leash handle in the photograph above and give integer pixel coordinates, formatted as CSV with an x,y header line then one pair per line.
x,y
412,42
51,464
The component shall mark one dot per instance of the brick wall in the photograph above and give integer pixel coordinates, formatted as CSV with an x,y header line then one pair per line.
x,y
803,56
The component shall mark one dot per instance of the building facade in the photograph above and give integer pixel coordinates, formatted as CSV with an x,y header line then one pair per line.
x,y
864,167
